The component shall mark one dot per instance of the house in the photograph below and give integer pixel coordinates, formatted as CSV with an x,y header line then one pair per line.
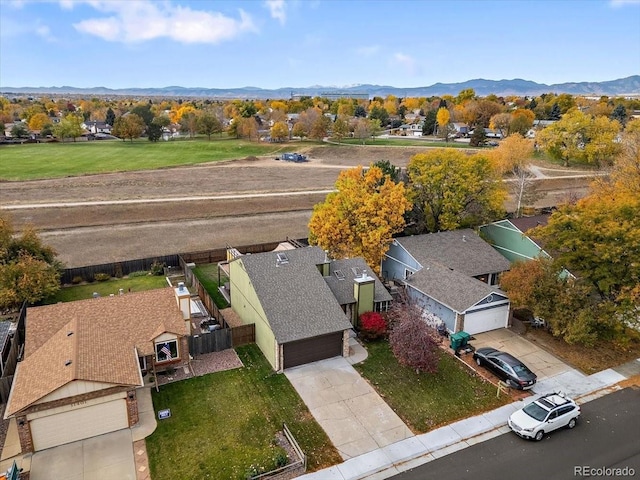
x,y
461,129
453,276
509,237
94,126
84,360
302,303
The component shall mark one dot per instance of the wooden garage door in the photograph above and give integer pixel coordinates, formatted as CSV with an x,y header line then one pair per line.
x,y
79,424
312,349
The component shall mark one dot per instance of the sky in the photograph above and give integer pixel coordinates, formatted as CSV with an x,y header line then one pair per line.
x,y
302,43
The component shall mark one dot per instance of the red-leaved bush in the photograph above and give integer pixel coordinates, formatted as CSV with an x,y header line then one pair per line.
x,y
412,341
372,326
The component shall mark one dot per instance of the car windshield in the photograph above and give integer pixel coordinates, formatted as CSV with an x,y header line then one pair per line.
x,y
535,411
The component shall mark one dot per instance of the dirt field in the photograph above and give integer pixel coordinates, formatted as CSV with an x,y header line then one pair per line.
x,y
103,233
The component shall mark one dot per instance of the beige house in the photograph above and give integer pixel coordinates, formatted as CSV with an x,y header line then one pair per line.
x,y
84,360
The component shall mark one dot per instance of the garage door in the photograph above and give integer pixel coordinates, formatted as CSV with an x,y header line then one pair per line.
x,y
485,320
79,424
312,349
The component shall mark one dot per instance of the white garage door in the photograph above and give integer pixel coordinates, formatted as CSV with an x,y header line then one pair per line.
x,y
485,320
79,424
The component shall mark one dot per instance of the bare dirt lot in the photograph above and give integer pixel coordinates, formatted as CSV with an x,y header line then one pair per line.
x,y
85,235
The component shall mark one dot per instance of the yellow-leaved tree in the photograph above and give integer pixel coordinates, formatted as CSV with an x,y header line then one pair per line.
x,y
442,117
361,217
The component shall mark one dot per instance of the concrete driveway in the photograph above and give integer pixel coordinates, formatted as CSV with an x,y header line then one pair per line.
x,y
354,416
104,457
541,362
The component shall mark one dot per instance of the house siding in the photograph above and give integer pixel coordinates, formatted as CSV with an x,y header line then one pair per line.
x,y
510,242
396,261
245,302
443,312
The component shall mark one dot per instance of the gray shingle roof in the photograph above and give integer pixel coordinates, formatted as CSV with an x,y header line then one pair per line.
x,y
454,289
462,250
4,333
296,299
352,268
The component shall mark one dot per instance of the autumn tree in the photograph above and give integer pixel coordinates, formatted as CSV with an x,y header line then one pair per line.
x,y
29,270
413,342
442,117
19,130
299,130
450,189
579,137
320,127
340,129
128,126
501,123
69,127
360,217
38,121
362,130
189,123
279,132
208,124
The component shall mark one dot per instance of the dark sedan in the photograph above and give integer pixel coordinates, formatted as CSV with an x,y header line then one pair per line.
x,y
506,367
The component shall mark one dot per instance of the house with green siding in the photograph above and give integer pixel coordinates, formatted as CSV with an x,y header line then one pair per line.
x,y
509,237
303,304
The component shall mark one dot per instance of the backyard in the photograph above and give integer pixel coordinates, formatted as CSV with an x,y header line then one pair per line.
x,y
223,423
426,401
207,274
108,287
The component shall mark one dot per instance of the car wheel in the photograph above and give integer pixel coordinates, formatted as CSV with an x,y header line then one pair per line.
x,y
511,383
478,361
572,423
539,435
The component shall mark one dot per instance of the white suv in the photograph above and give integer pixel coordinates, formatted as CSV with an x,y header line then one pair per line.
x,y
547,413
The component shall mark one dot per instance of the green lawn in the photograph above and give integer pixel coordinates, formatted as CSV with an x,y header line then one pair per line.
x,y
51,160
223,423
426,401
80,292
208,276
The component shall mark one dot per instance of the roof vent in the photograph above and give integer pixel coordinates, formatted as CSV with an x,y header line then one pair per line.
x,y
67,363
281,259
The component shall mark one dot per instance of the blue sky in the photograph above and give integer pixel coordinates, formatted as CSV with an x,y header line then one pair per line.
x,y
300,43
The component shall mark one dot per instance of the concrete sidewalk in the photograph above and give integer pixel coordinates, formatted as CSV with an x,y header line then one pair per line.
x,y
401,456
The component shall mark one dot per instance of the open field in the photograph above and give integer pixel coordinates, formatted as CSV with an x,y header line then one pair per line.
x,y
85,235
54,160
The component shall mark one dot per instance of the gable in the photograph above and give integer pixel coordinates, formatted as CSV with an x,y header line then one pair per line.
x,y
73,388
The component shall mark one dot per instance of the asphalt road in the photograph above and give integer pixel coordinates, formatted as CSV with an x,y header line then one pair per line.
x,y
607,436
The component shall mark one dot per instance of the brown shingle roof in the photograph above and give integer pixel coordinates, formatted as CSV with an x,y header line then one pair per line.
x,y
100,336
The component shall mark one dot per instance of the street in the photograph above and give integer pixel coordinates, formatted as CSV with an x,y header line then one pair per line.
x,y
606,437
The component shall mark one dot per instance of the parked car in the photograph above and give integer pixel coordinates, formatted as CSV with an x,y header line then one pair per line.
x,y
507,367
547,413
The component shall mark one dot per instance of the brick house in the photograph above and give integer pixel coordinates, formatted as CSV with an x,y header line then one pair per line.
x,y
84,360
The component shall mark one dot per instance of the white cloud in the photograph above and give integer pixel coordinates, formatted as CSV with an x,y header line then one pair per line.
x,y
621,3
141,20
405,61
277,10
45,32
368,51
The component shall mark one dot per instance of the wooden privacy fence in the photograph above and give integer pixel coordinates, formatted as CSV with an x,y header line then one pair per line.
x,y
117,269
221,339
15,350
215,341
243,334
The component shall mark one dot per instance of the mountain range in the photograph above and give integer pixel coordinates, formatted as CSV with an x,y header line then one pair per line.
x,y
620,87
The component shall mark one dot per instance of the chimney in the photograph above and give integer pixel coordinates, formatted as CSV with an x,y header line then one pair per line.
x,y
183,298
364,293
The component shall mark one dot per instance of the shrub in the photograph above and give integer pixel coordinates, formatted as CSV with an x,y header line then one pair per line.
x,y
76,280
414,343
141,273
102,277
157,268
372,326
280,458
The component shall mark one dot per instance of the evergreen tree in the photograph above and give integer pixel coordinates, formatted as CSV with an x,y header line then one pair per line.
x,y
111,117
478,137
555,114
620,114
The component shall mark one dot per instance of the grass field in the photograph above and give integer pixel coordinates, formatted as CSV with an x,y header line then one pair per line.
x,y
54,160
104,289
426,401
224,422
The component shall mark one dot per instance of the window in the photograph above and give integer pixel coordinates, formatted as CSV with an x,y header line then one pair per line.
x,y
166,351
